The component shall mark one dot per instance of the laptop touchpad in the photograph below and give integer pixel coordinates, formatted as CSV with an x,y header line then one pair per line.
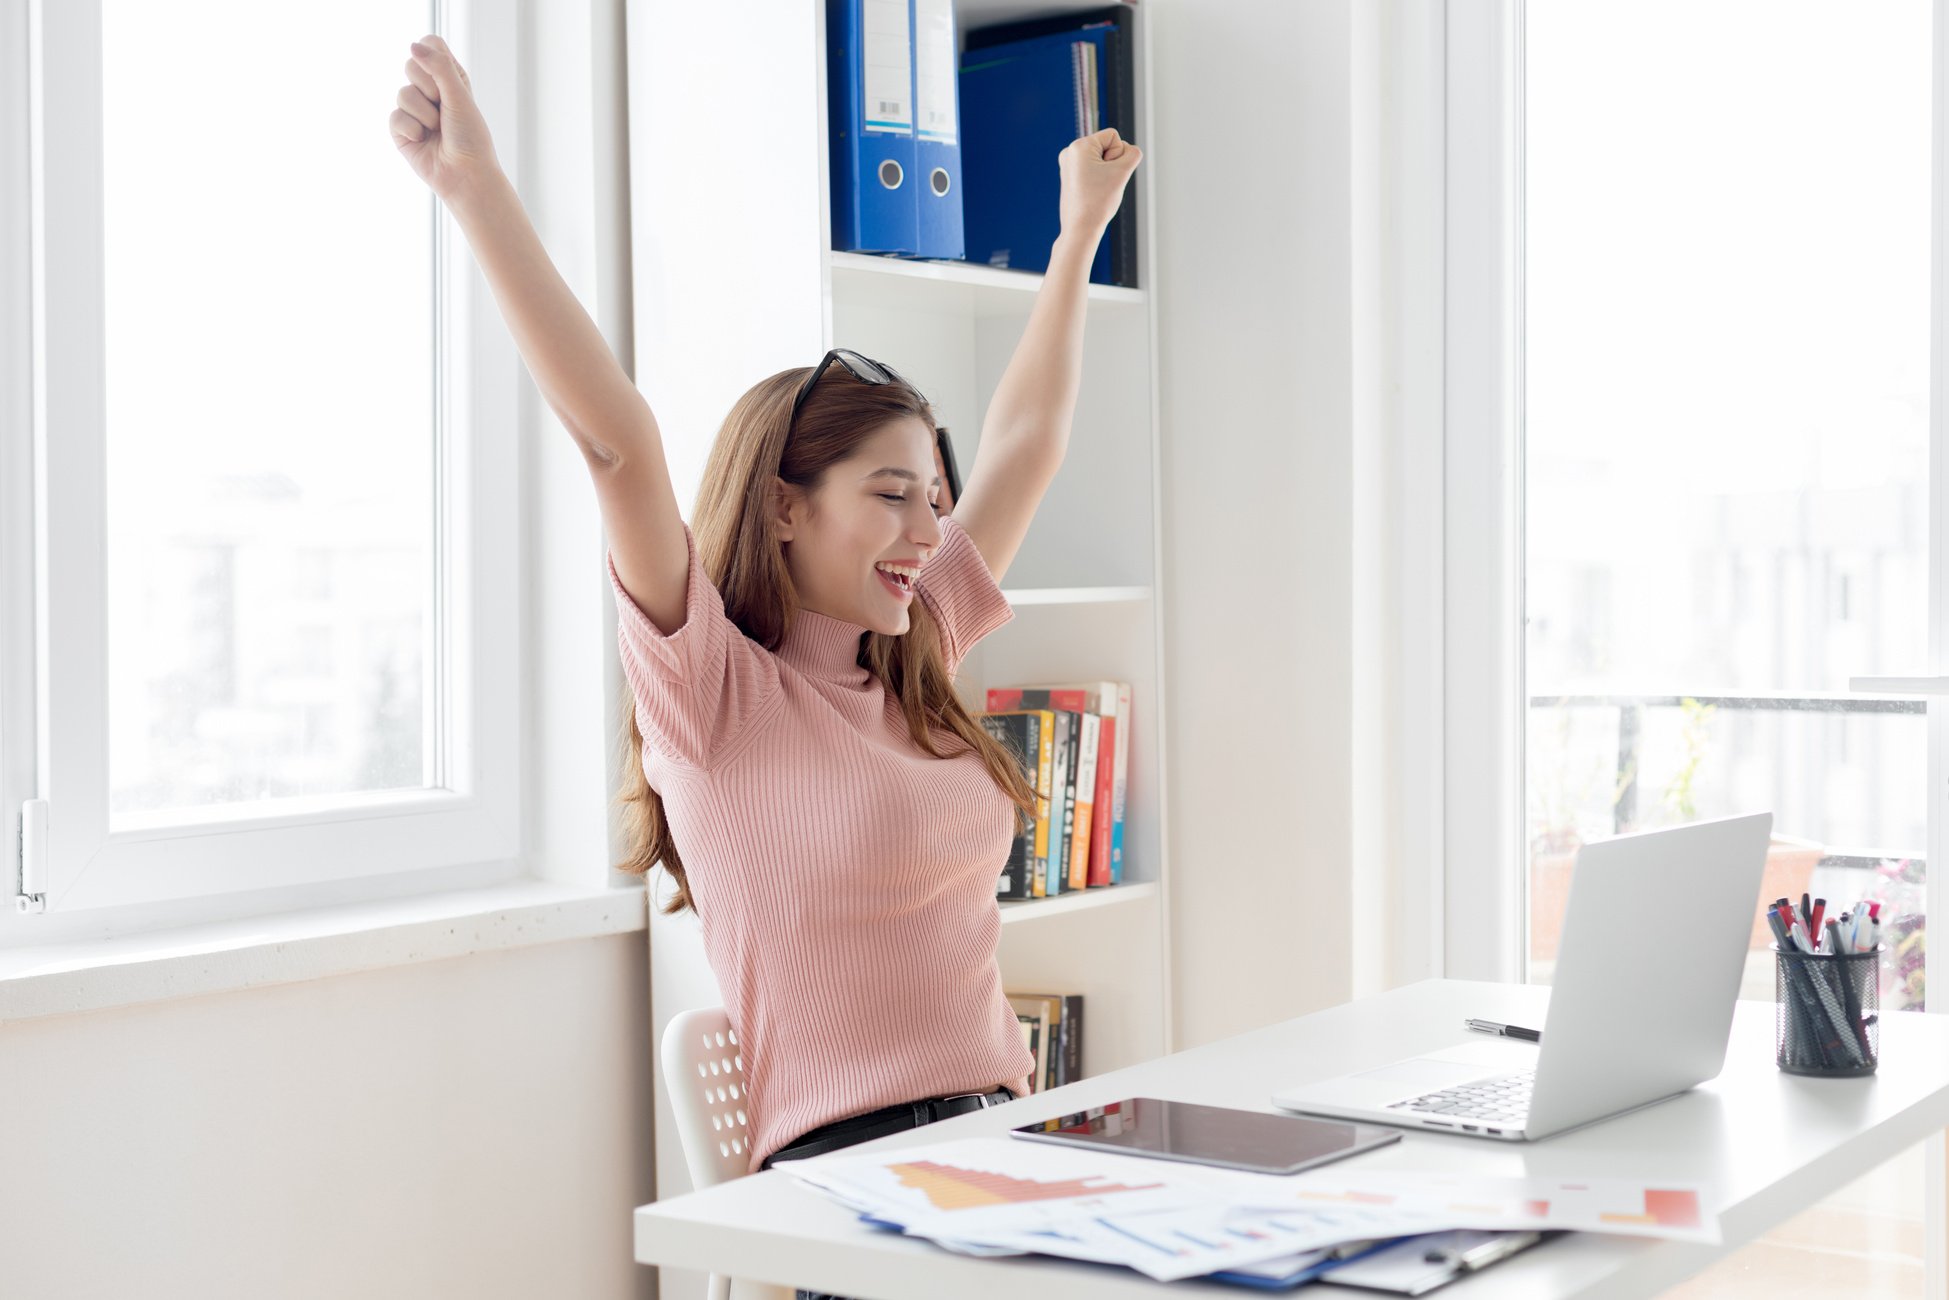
x,y
1420,1075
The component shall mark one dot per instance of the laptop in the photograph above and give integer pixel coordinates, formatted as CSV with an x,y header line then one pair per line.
x,y
1653,950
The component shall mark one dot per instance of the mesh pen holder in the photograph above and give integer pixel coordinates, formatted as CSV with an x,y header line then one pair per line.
x,y
1827,1017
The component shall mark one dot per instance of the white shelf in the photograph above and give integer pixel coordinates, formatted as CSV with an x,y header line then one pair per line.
x,y
1019,596
952,286
1018,910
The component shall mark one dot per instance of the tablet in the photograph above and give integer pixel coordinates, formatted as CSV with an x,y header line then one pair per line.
x,y
1210,1135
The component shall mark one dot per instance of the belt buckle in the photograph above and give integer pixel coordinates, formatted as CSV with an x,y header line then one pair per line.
x,y
963,1096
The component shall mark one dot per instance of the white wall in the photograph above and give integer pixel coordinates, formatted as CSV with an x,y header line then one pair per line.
x,y
1279,447
471,1127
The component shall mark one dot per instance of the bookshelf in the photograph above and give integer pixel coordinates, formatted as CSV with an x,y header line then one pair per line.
x,y
1084,585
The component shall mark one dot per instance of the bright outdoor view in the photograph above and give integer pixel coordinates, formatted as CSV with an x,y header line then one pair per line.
x,y
1727,344
269,384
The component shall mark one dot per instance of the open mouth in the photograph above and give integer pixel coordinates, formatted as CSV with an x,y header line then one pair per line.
x,y
898,583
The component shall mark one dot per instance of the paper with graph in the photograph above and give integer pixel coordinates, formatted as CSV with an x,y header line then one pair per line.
x,y
1170,1220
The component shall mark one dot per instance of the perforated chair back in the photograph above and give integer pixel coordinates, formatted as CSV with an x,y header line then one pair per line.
x,y
703,1067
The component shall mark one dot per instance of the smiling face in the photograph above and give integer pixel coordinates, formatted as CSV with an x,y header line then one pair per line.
x,y
874,508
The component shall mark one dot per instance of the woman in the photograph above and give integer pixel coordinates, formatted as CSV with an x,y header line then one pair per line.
x,y
799,762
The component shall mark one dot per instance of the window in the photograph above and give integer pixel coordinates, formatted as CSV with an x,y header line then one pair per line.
x,y
1693,467
1726,438
273,407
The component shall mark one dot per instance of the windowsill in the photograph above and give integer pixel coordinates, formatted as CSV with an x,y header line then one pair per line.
x,y
224,956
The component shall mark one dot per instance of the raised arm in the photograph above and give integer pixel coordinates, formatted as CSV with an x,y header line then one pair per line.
x,y
440,131
1026,430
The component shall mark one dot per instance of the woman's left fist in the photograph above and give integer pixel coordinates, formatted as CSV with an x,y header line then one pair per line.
x,y
1094,172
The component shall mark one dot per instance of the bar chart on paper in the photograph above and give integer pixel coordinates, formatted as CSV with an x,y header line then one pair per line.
x,y
949,1187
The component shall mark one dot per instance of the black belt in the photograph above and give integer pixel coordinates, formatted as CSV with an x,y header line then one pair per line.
x,y
888,1119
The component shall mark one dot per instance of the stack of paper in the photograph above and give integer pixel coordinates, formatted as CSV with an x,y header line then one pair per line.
x,y
993,1196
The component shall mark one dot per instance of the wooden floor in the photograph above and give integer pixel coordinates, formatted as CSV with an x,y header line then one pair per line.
x,y
1864,1240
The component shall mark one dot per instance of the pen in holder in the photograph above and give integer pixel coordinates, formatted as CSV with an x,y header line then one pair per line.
x,y
1827,1020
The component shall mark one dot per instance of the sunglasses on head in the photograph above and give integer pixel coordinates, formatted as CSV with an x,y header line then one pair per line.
x,y
864,369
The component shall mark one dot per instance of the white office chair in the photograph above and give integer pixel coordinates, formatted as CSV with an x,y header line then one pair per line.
x,y
703,1067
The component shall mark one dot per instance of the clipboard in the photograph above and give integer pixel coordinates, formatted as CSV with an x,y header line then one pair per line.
x,y
1417,1265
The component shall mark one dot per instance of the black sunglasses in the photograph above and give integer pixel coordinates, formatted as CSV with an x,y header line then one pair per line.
x,y
864,369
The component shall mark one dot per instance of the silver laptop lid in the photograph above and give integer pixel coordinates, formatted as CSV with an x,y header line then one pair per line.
x,y
1653,950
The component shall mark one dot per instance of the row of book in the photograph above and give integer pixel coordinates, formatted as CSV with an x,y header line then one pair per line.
x,y
1052,1030
1073,741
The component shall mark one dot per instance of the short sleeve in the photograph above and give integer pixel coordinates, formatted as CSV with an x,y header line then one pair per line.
x,y
697,687
961,593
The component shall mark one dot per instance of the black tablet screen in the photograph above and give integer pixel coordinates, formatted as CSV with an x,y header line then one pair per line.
x,y
1215,1135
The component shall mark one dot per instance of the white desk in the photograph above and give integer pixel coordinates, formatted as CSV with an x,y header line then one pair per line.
x,y
1769,1144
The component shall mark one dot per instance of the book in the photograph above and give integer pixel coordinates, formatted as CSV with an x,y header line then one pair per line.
x,y
1021,734
1111,701
1117,97
1062,1013
1062,799
1033,1013
1079,841
1103,821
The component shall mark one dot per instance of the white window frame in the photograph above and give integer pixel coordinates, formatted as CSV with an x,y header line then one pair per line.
x,y
1480,732
53,660
1483,872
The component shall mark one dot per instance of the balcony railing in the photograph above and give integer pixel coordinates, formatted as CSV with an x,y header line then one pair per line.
x,y
1631,713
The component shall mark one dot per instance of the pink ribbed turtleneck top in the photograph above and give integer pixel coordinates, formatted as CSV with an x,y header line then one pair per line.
x,y
845,880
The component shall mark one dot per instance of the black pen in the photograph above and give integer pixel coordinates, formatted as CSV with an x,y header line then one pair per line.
x,y
1505,1031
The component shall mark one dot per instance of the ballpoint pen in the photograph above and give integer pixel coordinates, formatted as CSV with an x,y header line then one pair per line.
x,y
1505,1031
1349,1248
1499,1248
1800,939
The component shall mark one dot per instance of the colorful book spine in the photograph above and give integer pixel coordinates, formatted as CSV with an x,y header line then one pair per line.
x,y
1103,817
1079,842
1119,786
1021,734
1070,1044
1062,799
1110,702
1062,1016
1034,1011
1039,765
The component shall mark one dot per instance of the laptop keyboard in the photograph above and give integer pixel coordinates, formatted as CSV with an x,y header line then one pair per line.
x,y
1502,1099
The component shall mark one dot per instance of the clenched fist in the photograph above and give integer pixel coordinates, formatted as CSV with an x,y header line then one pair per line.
x,y
438,126
1095,170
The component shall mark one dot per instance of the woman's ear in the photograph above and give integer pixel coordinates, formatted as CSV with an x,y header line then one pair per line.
x,y
787,508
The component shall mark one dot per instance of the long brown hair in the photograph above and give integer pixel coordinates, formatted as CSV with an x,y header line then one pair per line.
x,y
746,562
